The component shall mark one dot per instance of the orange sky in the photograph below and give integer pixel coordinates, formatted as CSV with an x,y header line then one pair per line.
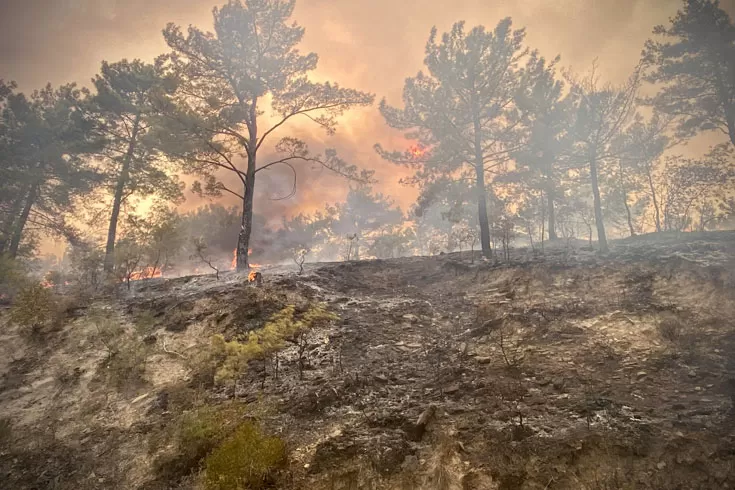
x,y
372,45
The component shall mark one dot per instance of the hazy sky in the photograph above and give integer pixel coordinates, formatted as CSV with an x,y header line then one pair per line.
x,y
372,45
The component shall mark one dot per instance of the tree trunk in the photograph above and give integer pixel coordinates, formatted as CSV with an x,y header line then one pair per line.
x,y
601,236
624,194
631,228
7,226
20,223
656,207
122,182
480,187
552,215
243,239
482,214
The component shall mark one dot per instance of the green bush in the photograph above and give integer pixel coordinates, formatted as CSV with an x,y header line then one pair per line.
x,y
127,363
194,435
201,430
10,271
246,460
34,307
231,358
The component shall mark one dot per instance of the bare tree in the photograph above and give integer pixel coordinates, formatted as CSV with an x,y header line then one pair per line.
x,y
299,258
200,253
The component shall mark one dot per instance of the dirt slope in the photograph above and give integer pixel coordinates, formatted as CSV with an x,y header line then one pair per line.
x,y
561,370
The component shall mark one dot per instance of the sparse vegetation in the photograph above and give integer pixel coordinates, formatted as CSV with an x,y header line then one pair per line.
x,y
35,308
193,435
231,358
442,474
246,459
511,344
671,328
201,254
126,365
299,258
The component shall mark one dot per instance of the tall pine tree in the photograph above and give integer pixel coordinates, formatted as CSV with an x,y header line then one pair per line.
x,y
226,79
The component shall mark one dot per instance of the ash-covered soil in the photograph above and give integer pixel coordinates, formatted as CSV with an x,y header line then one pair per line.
x,y
557,370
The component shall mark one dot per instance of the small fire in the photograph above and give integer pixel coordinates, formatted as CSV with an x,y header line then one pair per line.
x,y
47,284
252,276
147,273
416,152
233,265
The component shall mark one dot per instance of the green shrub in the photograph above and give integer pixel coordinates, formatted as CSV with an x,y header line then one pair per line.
x,y
194,435
11,273
231,358
127,363
35,307
201,430
248,459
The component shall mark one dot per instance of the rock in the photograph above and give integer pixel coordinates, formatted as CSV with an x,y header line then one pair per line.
x,y
411,318
453,388
640,375
661,465
420,427
558,383
380,378
692,373
483,360
39,383
139,398
536,400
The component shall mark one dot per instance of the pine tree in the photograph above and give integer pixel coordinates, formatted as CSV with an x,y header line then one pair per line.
x,y
47,142
695,69
462,112
225,78
123,110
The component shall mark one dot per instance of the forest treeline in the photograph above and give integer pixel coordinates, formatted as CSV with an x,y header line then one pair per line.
x,y
502,142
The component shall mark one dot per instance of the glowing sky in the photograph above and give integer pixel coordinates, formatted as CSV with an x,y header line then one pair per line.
x,y
372,45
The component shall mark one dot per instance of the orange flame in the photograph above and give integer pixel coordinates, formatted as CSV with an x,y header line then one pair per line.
x,y
147,273
252,276
416,152
46,284
233,265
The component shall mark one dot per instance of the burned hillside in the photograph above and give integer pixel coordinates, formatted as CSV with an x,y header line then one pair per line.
x,y
565,369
